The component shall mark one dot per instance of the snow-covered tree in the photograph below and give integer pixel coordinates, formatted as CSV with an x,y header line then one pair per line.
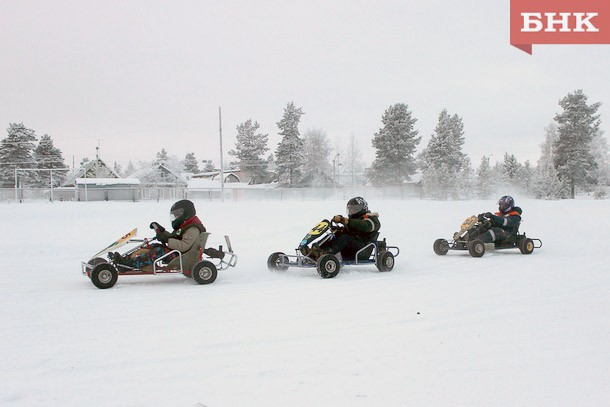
x,y
317,166
352,161
601,175
191,165
545,182
250,148
289,153
572,153
208,166
162,157
395,145
442,161
485,183
46,156
17,151
510,169
130,169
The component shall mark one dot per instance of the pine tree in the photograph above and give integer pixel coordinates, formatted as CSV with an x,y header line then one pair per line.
x,y
442,161
601,175
484,181
289,153
49,156
249,150
316,159
395,145
208,166
576,126
162,157
16,151
545,183
130,169
191,165
511,169
353,161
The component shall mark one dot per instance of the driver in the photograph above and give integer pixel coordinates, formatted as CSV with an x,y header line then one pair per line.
x,y
360,228
186,238
504,224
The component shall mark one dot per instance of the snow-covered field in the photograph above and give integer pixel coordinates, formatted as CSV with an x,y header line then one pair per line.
x,y
503,330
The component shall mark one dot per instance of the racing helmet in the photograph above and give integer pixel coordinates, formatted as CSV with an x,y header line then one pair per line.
x,y
505,204
180,212
357,207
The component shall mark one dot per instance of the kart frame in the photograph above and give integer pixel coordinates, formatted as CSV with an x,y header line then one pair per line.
x,y
104,274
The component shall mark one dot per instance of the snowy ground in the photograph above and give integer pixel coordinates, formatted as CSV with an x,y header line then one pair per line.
x,y
503,330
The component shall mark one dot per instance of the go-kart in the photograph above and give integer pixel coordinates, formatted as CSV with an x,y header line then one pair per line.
x,y
308,253
473,226
104,273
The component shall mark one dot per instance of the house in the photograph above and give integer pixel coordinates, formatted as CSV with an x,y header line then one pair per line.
x,y
91,169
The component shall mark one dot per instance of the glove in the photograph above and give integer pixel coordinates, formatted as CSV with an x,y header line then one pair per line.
x,y
157,228
481,217
488,215
163,236
340,219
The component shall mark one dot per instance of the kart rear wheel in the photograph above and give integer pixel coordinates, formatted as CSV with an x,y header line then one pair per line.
x,y
385,261
476,248
441,247
328,266
526,246
104,275
204,272
277,262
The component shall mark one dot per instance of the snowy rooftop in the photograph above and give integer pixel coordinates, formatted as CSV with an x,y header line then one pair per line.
x,y
108,181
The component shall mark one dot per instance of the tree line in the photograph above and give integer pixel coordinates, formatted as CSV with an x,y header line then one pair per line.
x,y
574,156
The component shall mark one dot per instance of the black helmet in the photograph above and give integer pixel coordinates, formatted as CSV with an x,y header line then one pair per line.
x,y
357,207
181,211
505,204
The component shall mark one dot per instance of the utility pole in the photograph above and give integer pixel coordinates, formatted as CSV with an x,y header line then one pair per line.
x,y
222,168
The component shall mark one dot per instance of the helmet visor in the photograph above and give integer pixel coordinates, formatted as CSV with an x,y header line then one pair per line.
x,y
175,214
353,209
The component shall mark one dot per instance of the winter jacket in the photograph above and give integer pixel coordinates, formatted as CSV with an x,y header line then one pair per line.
x,y
509,221
364,228
189,238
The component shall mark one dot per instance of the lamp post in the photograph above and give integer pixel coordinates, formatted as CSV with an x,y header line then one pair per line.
x,y
335,170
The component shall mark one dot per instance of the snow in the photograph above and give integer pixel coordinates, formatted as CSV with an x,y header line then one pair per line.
x,y
503,330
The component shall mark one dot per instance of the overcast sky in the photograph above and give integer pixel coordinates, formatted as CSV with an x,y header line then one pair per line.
x,y
139,76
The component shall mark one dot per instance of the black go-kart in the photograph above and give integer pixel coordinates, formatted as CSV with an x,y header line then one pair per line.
x,y
473,226
328,265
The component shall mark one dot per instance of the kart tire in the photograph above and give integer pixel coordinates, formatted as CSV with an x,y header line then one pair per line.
x,y
97,260
476,248
204,272
104,275
277,262
526,246
328,266
385,261
441,247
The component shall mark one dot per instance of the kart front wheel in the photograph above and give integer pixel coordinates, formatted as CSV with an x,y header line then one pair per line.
x,y
104,275
385,261
526,246
204,272
328,266
476,248
441,247
277,262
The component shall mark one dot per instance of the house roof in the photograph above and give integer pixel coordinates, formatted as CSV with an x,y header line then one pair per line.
x,y
92,169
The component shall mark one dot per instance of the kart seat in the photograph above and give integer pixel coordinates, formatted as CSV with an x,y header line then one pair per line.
x,y
366,253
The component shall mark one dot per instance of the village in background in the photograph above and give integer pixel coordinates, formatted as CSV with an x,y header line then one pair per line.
x,y
574,159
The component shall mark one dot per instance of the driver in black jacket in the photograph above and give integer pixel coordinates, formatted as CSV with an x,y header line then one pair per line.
x,y
360,228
